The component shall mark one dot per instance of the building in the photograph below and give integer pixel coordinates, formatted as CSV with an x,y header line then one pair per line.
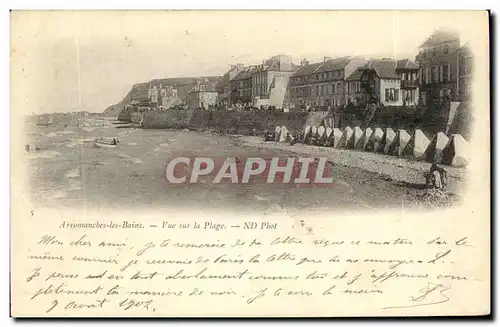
x,y
241,87
163,97
169,97
464,59
154,94
323,84
224,85
270,81
300,84
263,85
438,61
202,96
353,90
390,82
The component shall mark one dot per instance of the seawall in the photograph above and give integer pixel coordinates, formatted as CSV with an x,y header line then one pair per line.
x,y
236,122
429,120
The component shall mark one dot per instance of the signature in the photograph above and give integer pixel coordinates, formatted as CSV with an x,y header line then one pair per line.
x,y
436,291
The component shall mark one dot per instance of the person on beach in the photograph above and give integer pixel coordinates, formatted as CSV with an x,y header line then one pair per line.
x,y
439,176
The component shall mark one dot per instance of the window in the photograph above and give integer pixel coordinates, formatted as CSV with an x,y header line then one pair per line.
x,y
409,95
435,74
403,76
317,89
467,88
333,88
424,54
467,65
446,49
391,95
340,88
446,73
434,52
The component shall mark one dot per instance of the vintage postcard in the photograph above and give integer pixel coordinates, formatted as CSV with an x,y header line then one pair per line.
x,y
250,163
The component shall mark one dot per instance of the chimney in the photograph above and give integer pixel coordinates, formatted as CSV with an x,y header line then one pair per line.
x,y
325,59
304,62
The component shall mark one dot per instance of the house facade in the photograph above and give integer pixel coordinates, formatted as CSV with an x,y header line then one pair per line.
x,y
390,82
241,87
323,85
163,97
168,97
154,94
262,85
464,59
270,81
438,63
202,97
224,85
353,89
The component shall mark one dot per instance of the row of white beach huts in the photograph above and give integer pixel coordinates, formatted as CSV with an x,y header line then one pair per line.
x,y
441,149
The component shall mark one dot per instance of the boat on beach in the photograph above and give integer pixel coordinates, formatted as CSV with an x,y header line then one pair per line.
x,y
106,143
45,122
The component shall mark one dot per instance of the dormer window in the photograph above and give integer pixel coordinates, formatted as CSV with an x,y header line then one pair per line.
x,y
446,49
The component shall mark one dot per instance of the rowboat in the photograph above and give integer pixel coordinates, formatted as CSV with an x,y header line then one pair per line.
x,y
106,143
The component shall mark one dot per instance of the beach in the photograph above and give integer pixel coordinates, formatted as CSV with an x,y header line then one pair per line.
x,y
69,171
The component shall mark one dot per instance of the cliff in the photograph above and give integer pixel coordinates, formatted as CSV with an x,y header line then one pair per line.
x,y
139,92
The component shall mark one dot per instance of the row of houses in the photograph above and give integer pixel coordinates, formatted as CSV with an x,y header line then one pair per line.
x,y
440,72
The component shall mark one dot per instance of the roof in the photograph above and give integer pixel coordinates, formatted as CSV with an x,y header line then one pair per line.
x,y
334,64
439,37
355,76
307,69
384,68
465,48
245,73
275,65
406,64
220,83
209,87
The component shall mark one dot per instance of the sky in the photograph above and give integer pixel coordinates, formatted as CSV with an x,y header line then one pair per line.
x,y
87,60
